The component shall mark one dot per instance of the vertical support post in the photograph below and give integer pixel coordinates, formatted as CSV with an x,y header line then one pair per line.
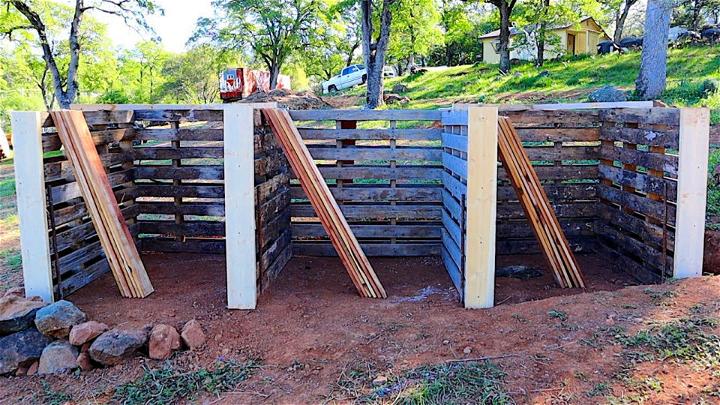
x,y
481,207
31,203
692,192
240,206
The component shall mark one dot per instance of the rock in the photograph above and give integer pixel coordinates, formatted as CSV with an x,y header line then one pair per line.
x,y
518,271
57,319
380,380
391,98
85,332
17,312
57,358
163,340
83,361
21,348
607,94
33,369
467,350
192,334
544,73
400,88
113,346
16,291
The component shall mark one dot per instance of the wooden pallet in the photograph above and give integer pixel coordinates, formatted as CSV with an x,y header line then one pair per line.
x,y
324,204
537,207
102,206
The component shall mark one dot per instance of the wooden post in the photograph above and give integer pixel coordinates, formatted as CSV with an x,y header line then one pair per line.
x,y
31,203
692,192
240,206
481,207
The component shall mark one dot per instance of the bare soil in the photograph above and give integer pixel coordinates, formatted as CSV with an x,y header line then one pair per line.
x,y
310,326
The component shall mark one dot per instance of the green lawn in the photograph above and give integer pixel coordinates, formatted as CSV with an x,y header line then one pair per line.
x,y
567,80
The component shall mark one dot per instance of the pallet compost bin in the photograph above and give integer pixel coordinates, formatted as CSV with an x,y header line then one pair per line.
x,y
627,183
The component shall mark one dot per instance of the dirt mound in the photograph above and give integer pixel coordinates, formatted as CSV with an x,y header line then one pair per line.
x,y
304,100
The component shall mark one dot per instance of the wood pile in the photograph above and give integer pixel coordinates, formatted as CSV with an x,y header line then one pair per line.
x,y
115,238
324,204
537,207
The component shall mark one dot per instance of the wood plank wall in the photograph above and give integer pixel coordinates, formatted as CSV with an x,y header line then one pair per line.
x,y
563,147
384,169
74,245
638,189
454,181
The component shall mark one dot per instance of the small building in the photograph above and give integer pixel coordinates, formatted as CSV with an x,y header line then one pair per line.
x,y
575,39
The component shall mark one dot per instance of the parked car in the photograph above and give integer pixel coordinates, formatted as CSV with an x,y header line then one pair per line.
x,y
350,76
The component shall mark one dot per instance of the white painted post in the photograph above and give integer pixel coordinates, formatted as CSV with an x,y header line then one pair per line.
x,y
240,206
692,192
31,203
481,205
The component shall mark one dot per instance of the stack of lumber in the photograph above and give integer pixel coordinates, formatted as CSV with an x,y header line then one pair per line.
x,y
115,238
537,207
324,204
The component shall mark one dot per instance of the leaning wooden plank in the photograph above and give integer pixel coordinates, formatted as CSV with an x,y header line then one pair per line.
x,y
537,207
101,202
324,204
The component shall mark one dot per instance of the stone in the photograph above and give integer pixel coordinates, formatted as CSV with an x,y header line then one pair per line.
x,y
113,346
33,369
163,340
467,350
18,292
192,334
391,98
607,94
58,357
17,312
56,320
85,332
83,361
21,348
400,88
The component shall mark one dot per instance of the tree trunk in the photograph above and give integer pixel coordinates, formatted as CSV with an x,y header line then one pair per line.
x,y
651,81
374,52
504,47
274,75
541,32
620,20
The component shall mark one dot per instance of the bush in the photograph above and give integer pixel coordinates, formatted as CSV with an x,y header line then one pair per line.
x,y
114,97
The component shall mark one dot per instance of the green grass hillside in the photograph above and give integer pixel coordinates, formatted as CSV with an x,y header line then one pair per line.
x,y
567,80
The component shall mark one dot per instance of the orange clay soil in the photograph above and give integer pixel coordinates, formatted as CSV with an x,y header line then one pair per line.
x,y
310,326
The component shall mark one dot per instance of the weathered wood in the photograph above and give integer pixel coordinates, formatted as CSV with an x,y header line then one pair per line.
x,y
374,153
510,210
370,249
410,134
556,192
188,228
365,115
644,230
647,159
380,172
183,191
162,153
376,193
579,172
314,230
648,116
95,118
51,141
179,134
180,173
377,212
186,246
639,204
455,165
668,138
169,208
639,181
180,115
626,244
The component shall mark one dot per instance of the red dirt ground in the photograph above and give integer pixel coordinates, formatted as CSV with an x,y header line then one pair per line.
x,y
312,317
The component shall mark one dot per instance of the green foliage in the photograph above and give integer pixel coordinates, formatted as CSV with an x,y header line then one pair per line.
x,y
11,259
167,385
686,340
50,396
713,199
7,187
557,314
415,30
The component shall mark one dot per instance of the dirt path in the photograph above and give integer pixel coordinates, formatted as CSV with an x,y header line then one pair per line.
x,y
320,343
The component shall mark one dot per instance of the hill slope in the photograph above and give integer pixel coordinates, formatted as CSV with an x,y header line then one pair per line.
x,y
568,80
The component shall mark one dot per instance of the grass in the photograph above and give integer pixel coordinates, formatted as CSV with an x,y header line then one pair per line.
x,y
684,340
566,80
50,396
447,383
168,385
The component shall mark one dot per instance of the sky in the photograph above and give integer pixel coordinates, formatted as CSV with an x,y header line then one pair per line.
x,y
174,28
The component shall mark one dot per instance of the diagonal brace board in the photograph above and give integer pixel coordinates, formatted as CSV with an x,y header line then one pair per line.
x,y
115,238
537,207
327,209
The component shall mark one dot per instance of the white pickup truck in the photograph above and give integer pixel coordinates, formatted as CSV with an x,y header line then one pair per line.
x,y
351,76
